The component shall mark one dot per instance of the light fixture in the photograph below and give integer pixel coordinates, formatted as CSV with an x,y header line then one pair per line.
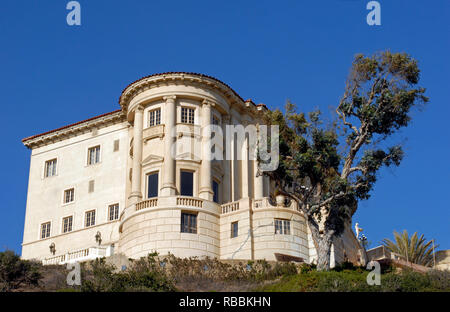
x,y
98,238
52,248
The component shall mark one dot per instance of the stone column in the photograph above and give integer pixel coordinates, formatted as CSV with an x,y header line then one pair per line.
x,y
136,193
244,173
234,163
259,182
168,187
206,191
258,177
226,181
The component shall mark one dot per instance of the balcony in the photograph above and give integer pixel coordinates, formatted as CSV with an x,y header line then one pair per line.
x,y
170,202
153,132
79,255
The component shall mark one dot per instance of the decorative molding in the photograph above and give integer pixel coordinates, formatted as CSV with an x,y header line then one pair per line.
x,y
152,159
74,130
197,80
170,98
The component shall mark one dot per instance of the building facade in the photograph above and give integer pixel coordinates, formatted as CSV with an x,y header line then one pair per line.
x,y
140,179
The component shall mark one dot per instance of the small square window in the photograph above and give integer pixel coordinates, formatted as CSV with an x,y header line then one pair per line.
x,y
67,224
45,230
234,229
282,226
113,213
94,155
50,168
90,218
188,223
187,115
116,145
91,186
154,117
69,195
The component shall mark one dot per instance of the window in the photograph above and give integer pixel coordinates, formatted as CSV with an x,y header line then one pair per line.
x,y
116,145
188,223
50,168
91,186
187,183
152,187
113,212
45,230
67,224
215,187
69,195
94,155
215,120
90,218
234,229
154,117
282,226
187,115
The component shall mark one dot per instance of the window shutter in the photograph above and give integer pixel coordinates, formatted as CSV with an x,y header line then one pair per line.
x,y
91,186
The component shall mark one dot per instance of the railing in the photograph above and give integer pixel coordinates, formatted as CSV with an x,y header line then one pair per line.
x,y
230,207
188,130
149,203
189,201
54,260
77,255
153,132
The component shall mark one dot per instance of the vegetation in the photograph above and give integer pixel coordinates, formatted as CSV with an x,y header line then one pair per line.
x,y
153,273
15,273
328,168
415,249
354,280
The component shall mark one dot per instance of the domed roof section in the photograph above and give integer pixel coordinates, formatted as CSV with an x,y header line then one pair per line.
x,y
144,83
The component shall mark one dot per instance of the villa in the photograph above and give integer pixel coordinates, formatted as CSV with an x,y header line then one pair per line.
x,y
138,180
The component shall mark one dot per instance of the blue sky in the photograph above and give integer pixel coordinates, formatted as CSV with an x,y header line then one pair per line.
x,y
52,74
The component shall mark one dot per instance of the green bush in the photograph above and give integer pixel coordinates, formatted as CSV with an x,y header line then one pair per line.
x,y
143,275
346,280
16,273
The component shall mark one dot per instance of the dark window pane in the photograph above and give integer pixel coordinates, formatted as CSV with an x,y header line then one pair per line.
x,y
152,185
187,183
188,223
215,187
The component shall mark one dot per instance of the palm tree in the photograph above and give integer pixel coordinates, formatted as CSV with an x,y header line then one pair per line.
x,y
416,249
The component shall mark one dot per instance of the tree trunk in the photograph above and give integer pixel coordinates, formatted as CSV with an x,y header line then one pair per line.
x,y
323,253
322,242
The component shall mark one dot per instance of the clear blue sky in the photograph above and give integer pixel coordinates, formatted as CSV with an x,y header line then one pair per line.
x,y
52,74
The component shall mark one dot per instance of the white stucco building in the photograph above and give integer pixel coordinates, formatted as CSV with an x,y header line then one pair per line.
x,y
109,184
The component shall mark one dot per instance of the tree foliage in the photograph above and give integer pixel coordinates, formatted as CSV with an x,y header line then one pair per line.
x,y
15,272
328,168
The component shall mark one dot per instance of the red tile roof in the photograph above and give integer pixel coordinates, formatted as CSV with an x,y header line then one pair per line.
x,y
68,126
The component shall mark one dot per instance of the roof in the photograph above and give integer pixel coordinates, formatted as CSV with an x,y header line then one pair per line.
x,y
71,125
119,110
186,73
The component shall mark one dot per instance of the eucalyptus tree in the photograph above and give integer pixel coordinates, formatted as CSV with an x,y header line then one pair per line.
x,y
328,167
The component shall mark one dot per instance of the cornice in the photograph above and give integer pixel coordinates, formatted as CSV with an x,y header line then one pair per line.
x,y
198,80
74,129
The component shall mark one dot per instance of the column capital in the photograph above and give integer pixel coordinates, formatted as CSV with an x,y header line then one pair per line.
x,y
170,98
226,119
209,103
140,107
